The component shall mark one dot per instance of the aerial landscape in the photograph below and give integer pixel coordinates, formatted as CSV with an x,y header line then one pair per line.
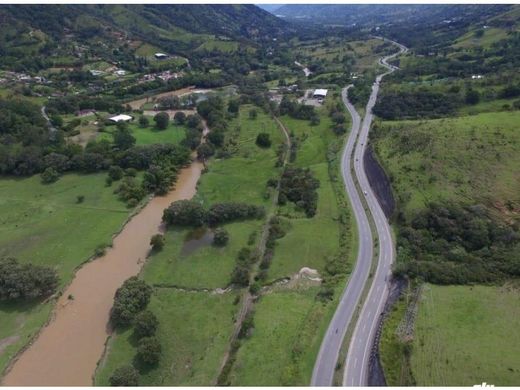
x,y
259,195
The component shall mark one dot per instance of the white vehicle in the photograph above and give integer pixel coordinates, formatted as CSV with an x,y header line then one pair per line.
x,y
365,192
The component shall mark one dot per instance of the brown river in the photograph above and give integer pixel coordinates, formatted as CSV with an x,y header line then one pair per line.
x,y
68,348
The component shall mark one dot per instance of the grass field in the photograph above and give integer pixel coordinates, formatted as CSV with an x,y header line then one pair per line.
x,y
278,352
289,323
194,331
468,159
43,224
467,335
223,46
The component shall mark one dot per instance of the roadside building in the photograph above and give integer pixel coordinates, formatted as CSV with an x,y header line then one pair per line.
x,y
320,94
121,118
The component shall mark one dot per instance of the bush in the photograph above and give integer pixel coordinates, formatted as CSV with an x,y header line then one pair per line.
x,y
25,281
145,324
124,376
157,242
184,213
263,140
161,120
132,297
253,113
221,237
149,351
50,175
80,198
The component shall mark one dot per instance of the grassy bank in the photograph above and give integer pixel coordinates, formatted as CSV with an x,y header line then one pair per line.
x,y
44,224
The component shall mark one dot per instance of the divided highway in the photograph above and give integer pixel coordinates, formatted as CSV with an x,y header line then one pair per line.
x,y
356,365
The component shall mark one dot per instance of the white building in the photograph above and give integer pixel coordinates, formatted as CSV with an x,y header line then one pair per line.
x,y
120,118
320,93
161,56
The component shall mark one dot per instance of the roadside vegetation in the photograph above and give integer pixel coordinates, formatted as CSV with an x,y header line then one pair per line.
x,y
449,145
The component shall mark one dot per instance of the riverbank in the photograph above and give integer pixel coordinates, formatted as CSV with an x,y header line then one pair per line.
x,y
81,314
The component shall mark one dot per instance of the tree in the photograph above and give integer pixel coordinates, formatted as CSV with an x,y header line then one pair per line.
x,y
50,175
115,172
234,106
124,376
184,213
161,120
145,324
253,113
221,237
179,117
123,139
144,121
132,297
472,96
157,242
25,281
216,138
149,351
338,117
205,151
263,140
193,121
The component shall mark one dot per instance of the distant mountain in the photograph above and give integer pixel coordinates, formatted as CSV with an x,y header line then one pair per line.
x,y
33,33
270,7
374,14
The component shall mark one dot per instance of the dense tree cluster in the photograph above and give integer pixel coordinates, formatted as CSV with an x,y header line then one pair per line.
x,y
192,213
25,281
298,185
130,299
451,244
415,104
124,376
296,110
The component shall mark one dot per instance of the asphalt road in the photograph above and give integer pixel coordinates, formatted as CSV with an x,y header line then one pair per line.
x,y
356,364
324,367
357,359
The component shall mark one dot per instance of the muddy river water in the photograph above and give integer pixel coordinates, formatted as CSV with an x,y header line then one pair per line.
x,y
68,348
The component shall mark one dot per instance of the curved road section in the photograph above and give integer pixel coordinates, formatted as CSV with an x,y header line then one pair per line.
x,y
324,368
356,365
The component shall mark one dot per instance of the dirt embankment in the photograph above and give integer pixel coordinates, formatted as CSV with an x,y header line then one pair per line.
x,y
379,182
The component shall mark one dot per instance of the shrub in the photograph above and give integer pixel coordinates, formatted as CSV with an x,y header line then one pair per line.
x,y
184,213
25,281
472,96
124,376
80,198
263,140
149,351
50,175
221,237
132,297
145,324
157,242
253,113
